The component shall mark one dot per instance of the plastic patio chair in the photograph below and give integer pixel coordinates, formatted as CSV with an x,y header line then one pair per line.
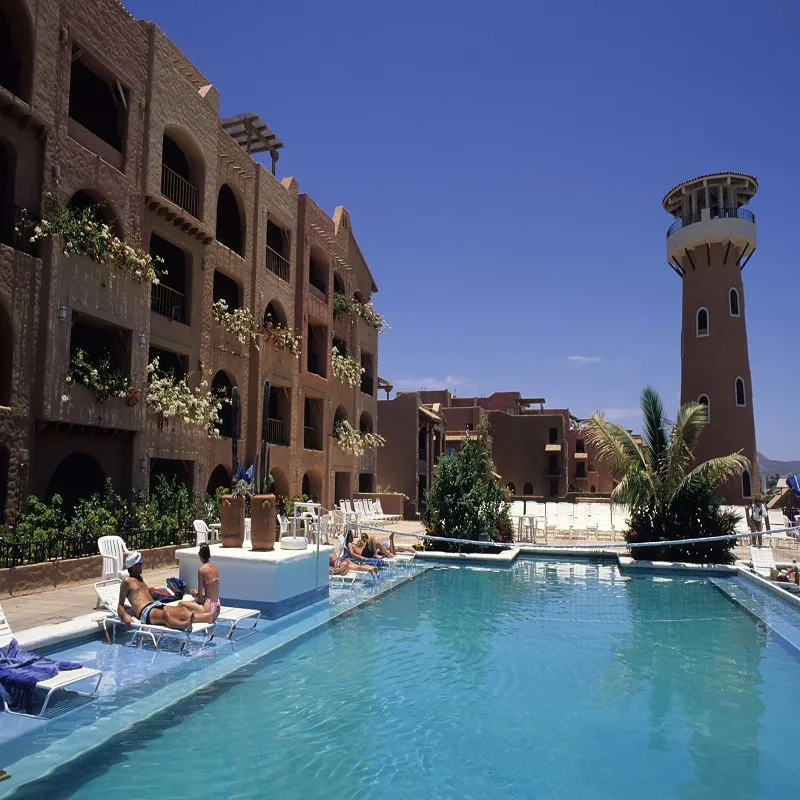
x,y
113,549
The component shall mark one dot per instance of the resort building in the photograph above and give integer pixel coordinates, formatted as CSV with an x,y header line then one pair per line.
x,y
539,453
97,107
709,244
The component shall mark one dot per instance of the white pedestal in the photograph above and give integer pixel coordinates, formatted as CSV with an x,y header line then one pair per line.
x,y
276,582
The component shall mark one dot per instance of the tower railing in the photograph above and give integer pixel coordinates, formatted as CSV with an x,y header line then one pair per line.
x,y
731,212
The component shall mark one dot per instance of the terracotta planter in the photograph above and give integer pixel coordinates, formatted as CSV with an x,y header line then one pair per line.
x,y
262,521
232,519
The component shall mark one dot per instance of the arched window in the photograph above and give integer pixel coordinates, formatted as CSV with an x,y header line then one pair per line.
x,y
76,478
527,488
703,400
222,383
733,301
102,210
365,422
702,322
740,398
511,488
340,416
312,486
230,230
593,489
338,283
747,489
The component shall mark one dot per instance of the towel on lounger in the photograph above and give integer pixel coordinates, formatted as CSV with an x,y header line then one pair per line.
x,y
20,671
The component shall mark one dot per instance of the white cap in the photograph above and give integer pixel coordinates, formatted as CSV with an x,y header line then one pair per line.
x,y
133,559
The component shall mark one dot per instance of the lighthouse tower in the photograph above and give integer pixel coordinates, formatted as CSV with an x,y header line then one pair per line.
x,y
708,245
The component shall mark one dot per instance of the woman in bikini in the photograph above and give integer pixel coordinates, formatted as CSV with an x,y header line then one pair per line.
x,y
372,548
206,599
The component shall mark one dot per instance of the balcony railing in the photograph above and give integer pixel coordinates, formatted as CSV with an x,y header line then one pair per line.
x,y
552,472
310,441
715,213
16,229
168,303
367,385
277,264
275,433
178,190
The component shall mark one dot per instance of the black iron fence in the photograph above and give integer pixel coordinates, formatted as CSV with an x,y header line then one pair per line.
x,y
16,552
715,213
168,303
277,264
179,190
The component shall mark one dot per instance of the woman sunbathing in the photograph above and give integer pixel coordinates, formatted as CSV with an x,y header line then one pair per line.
x,y
355,552
372,548
206,604
339,566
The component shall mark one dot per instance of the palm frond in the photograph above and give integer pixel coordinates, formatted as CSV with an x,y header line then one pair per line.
x,y
692,419
654,423
614,445
714,472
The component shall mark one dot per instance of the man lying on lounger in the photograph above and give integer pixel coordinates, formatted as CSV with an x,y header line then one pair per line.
x,y
149,611
791,575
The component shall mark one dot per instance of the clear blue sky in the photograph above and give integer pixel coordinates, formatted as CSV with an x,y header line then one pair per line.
x,y
507,160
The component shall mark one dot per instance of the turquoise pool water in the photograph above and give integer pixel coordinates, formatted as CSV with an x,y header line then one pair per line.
x,y
544,680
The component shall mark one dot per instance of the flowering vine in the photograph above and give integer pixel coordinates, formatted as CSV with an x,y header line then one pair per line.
x,y
282,338
84,233
239,322
346,368
353,441
172,398
101,376
344,306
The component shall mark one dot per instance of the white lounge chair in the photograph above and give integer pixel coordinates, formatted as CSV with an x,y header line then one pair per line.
x,y
389,517
113,549
108,595
764,562
63,680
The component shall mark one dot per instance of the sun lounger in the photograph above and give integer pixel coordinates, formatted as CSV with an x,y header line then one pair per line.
x,y
108,594
763,562
63,680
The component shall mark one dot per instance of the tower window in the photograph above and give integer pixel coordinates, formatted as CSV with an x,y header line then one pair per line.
x,y
553,436
747,489
733,300
740,398
703,400
702,322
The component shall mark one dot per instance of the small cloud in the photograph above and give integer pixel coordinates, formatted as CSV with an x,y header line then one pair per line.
x,y
431,382
584,359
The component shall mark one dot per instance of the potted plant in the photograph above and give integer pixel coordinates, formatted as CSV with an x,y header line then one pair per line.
x,y
262,505
231,513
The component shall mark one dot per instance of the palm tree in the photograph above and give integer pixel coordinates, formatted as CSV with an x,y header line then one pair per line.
x,y
660,480
664,467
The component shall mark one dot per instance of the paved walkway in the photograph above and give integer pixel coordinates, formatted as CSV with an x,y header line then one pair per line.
x,y
62,605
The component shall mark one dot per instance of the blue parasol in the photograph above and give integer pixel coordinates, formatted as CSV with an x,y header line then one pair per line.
x,y
793,482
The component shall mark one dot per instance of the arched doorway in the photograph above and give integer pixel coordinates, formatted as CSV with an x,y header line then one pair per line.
x,y
274,315
365,422
172,469
280,483
16,50
224,387
182,171
220,478
340,416
230,230
76,478
312,485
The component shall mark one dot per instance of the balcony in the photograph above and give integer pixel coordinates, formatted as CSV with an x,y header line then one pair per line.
x,y
310,439
179,190
715,213
277,264
168,303
16,229
275,432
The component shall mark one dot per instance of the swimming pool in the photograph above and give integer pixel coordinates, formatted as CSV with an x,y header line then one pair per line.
x,y
545,679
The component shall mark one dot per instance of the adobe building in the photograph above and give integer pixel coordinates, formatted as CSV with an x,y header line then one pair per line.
x,y
540,453
709,244
100,108
415,434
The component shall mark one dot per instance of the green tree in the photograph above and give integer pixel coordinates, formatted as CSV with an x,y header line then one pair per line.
x,y
670,495
466,500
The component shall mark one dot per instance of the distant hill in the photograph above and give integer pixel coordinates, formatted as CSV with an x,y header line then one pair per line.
x,y
770,467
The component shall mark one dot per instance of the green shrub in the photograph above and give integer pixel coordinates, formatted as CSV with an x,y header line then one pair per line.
x,y
466,500
41,520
